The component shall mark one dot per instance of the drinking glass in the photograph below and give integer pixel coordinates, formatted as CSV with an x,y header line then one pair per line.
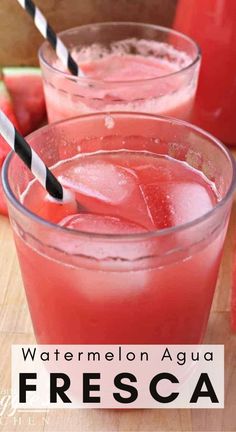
x,y
141,288
170,92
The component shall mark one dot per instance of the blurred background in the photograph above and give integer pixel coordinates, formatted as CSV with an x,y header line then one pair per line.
x,y
20,40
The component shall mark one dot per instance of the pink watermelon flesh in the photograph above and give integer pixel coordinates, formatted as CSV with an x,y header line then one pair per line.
x,y
26,89
22,100
7,107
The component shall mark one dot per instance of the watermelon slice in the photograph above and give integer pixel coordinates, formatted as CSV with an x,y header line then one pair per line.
x,y
26,89
22,100
7,107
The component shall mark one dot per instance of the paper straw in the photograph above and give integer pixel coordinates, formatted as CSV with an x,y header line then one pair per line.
x,y
48,33
30,158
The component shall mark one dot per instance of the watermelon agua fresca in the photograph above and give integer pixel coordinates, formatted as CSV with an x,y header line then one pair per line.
x,y
22,100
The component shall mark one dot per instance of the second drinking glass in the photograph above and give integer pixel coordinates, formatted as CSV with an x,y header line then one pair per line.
x,y
127,67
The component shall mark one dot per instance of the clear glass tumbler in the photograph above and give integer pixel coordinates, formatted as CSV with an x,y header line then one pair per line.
x,y
151,287
147,69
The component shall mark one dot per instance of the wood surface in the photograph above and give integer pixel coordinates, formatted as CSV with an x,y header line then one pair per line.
x,y
15,327
19,40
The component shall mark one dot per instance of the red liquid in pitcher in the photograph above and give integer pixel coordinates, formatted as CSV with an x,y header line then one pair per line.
x,y
212,24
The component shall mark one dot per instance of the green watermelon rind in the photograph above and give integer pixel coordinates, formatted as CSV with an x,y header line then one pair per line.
x,y
21,71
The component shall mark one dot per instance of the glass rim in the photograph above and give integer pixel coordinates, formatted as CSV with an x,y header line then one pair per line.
x,y
84,79
134,236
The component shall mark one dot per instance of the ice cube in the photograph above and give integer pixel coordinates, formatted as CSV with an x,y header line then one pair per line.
x,y
159,204
101,180
106,188
173,204
100,224
190,201
162,170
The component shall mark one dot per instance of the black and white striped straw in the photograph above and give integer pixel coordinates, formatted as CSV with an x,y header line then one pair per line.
x,y
30,158
48,33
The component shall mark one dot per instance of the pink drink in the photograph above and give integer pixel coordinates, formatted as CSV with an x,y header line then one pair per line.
x,y
141,265
153,70
216,96
125,192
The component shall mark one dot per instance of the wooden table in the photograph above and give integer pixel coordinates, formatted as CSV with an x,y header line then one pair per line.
x,y
15,327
